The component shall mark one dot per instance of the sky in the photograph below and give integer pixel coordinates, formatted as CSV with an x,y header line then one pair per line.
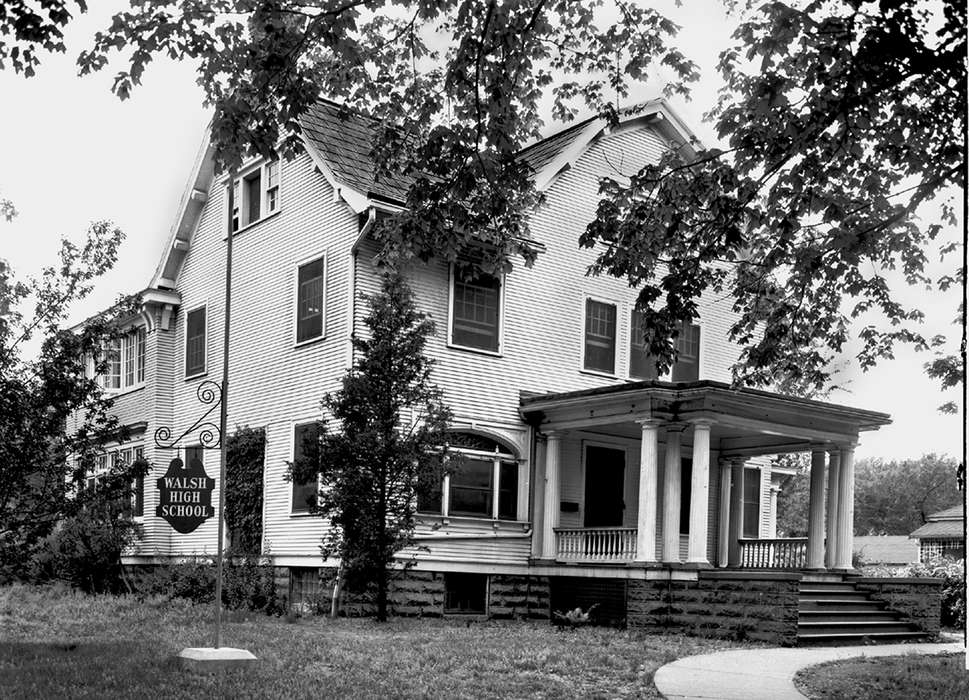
x,y
72,153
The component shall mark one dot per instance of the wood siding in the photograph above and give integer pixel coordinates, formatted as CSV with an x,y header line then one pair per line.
x,y
276,385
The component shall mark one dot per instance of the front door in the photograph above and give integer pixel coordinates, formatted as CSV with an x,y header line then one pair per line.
x,y
604,476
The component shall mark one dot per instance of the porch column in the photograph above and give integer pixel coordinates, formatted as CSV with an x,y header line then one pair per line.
x,y
538,496
671,494
815,553
648,470
846,507
553,458
699,494
723,527
737,473
831,515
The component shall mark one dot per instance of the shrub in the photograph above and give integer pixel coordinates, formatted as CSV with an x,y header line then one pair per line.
x,y
953,575
248,583
85,551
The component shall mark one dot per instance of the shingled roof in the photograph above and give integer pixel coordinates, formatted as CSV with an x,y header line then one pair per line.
x,y
344,138
942,524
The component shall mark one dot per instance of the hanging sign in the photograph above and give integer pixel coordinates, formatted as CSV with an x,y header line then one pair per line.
x,y
185,495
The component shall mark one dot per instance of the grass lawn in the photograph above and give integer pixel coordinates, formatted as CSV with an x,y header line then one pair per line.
x,y
57,644
912,677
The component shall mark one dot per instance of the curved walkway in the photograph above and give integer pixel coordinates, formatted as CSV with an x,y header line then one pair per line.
x,y
752,674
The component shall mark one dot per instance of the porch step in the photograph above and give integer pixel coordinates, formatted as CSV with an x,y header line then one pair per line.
x,y
836,613
848,615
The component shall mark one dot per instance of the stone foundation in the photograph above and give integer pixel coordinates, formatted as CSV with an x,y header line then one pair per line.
x,y
761,607
421,594
920,599
518,597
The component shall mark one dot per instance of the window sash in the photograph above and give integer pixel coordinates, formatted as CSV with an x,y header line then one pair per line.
x,y
642,365
140,355
310,294
476,312
253,189
112,379
195,342
304,447
751,507
687,365
472,488
600,336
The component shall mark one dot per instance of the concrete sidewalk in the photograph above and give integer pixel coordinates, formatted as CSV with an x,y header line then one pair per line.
x,y
752,674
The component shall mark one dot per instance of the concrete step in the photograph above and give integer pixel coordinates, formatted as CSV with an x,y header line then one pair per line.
x,y
833,595
858,616
842,638
855,627
843,604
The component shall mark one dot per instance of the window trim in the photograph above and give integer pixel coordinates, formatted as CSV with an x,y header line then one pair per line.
x,y
616,343
497,459
205,366
324,256
245,171
667,376
292,458
452,278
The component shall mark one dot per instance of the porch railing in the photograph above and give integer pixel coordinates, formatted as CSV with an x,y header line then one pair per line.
x,y
596,544
779,553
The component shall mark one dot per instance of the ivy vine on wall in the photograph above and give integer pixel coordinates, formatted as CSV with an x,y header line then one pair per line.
x,y
245,450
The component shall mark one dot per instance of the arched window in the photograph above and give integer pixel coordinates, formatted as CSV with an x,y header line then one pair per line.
x,y
483,483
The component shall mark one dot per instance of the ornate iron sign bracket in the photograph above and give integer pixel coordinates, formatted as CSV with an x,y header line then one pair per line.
x,y
209,393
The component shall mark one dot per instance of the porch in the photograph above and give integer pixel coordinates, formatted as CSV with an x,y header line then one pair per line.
x,y
655,474
599,545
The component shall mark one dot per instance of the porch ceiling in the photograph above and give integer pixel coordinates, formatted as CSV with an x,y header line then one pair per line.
x,y
744,421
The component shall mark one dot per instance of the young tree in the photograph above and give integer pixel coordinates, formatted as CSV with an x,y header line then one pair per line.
x,y
44,456
384,442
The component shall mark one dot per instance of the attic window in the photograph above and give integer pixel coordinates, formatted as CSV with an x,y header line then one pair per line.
x,y
255,195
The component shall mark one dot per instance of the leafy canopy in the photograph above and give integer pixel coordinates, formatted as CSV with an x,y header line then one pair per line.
x,y
51,410
383,442
842,122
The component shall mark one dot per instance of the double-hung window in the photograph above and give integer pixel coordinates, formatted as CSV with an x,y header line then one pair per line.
x,y
195,342
687,365
134,357
642,365
305,456
476,310
112,378
310,298
600,337
255,195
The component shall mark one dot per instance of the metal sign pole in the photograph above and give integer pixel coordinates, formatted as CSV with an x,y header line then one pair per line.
x,y
222,412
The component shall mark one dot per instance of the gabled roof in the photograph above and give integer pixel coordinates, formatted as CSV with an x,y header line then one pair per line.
x,y
339,141
942,529
953,513
343,138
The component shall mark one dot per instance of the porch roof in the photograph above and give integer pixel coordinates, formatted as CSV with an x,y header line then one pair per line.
x,y
746,421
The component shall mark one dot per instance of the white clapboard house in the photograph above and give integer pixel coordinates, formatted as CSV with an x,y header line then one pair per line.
x,y
588,479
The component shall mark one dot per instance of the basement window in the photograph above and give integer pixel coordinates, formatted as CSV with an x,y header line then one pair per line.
x,y
465,594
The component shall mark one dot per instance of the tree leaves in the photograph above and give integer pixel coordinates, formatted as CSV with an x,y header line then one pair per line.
x,y
384,440
832,149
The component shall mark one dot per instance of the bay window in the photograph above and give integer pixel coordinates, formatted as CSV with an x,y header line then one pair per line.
x,y
483,484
